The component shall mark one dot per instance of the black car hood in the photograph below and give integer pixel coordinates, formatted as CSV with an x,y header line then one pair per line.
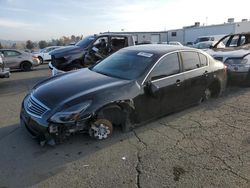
x,y
59,90
66,50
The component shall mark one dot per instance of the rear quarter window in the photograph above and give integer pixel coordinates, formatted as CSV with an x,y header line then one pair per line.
x,y
203,60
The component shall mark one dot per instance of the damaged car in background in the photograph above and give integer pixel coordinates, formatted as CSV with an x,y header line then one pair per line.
x,y
87,51
128,88
235,55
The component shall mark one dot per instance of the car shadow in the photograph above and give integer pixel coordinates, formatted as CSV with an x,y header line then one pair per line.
x,y
37,68
25,163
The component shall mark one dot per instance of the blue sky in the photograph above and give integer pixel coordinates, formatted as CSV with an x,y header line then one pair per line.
x,y
47,19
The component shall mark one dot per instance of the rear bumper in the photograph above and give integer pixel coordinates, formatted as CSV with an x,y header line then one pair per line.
x,y
237,76
5,73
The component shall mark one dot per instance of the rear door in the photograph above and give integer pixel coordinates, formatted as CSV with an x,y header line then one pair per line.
x,y
196,73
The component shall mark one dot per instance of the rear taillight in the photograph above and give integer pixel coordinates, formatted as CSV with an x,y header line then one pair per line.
x,y
225,68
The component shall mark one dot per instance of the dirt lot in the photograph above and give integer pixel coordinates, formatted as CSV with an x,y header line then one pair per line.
x,y
203,146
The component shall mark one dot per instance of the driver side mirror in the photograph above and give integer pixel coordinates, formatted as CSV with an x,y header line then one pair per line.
x,y
152,89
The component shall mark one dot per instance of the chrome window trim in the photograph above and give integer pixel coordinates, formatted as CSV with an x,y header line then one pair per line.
x,y
176,51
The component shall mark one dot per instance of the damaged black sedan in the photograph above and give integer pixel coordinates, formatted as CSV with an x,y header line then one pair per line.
x,y
128,88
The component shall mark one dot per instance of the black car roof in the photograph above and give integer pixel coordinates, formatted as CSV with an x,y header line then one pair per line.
x,y
159,49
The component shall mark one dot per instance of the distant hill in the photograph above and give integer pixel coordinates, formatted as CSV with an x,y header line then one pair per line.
x,y
10,42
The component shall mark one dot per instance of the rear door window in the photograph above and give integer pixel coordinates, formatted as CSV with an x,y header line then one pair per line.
x,y
168,65
190,60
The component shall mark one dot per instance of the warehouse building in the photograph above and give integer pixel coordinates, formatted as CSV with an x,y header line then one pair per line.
x,y
191,33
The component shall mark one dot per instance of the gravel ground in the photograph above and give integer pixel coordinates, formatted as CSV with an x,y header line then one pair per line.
x,y
203,146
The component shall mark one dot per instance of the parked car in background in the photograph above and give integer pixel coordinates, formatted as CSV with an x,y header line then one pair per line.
x,y
207,44
174,43
129,87
88,51
235,55
4,72
208,38
43,54
189,44
17,59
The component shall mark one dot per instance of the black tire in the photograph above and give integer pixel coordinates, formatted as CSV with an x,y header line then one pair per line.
x,y
26,66
40,59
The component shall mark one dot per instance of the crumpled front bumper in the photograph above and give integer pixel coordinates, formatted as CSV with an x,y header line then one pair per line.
x,y
54,70
36,130
50,133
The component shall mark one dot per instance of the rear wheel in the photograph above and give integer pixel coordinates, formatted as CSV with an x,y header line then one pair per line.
x,y
26,66
101,129
212,91
207,95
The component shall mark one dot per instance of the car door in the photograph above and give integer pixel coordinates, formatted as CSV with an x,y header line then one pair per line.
x,y
167,78
12,58
97,51
196,73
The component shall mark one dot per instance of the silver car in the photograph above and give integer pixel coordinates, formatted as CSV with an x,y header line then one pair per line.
x,y
17,59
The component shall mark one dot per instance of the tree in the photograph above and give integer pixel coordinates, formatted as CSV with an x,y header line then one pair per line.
x,y
78,38
66,40
42,44
29,44
1,46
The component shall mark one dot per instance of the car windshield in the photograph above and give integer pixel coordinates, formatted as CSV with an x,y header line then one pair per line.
x,y
85,42
127,65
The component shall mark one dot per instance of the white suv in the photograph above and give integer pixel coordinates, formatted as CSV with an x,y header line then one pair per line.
x,y
43,54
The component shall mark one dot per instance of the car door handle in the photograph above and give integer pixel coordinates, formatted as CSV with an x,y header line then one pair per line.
x,y
178,82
